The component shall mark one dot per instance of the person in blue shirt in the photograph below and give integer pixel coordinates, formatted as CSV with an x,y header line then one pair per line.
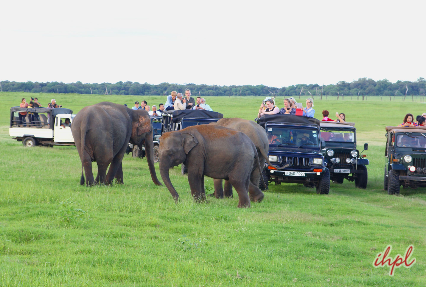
x,y
170,101
309,111
136,107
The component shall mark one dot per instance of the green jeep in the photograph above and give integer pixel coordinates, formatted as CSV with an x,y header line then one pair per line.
x,y
405,158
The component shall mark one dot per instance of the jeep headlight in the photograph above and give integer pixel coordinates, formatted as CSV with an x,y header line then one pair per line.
x,y
273,158
348,160
408,158
330,152
317,161
354,153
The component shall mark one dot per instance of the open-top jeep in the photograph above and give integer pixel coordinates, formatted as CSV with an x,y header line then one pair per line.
x,y
340,153
405,158
295,151
178,120
41,126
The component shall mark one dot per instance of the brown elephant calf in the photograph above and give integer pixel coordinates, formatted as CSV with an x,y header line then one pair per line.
x,y
216,152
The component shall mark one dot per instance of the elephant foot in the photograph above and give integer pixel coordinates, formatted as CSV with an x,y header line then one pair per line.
x,y
200,198
119,181
244,204
257,198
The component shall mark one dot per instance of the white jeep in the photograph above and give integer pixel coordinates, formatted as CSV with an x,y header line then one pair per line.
x,y
41,126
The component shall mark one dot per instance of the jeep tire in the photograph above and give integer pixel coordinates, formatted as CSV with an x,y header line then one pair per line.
x,y
156,149
184,169
385,181
323,186
29,142
362,177
393,183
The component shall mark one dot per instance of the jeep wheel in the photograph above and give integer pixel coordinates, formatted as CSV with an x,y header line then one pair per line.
x,y
29,142
136,151
184,169
361,178
393,182
263,182
385,181
156,153
323,186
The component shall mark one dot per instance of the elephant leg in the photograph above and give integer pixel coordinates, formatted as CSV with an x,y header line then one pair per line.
x,y
256,194
203,190
87,166
195,183
218,190
228,189
114,166
102,168
241,187
119,174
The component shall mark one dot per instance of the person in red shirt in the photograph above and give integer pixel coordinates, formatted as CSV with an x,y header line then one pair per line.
x,y
23,115
325,114
408,121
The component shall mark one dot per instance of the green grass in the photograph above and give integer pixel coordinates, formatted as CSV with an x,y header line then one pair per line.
x,y
55,232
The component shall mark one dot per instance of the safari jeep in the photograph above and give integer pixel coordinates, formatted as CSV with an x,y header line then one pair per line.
x,y
181,119
41,126
295,152
405,158
340,154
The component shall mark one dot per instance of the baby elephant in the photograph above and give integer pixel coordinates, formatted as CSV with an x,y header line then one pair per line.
x,y
216,152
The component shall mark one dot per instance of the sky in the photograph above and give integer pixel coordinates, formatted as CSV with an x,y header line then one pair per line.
x,y
272,43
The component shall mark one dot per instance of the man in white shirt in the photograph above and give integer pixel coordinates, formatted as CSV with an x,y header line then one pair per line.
x,y
154,112
180,103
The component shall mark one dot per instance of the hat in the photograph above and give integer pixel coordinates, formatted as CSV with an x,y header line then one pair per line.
x,y
136,102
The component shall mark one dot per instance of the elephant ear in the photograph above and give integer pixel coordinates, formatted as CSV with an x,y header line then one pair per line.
x,y
143,125
189,142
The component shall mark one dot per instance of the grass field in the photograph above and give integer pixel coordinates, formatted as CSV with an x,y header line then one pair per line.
x,y
54,232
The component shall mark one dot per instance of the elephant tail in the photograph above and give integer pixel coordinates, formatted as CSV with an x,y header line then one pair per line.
x,y
82,176
262,151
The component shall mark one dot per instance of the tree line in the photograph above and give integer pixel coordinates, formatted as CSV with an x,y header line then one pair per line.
x,y
360,87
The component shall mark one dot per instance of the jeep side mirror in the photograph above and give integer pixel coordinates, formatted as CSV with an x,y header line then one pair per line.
x,y
322,143
366,146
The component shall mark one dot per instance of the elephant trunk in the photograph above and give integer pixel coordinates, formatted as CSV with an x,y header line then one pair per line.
x,y
164,171
149,150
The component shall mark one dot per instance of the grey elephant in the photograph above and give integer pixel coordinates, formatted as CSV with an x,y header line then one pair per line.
x,y
260,139
216,152
102,133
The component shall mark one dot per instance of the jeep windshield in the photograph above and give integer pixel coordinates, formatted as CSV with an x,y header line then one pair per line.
x,y
290,136
411,140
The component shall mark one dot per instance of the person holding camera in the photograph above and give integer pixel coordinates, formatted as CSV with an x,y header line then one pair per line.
x,y
53,104
270,109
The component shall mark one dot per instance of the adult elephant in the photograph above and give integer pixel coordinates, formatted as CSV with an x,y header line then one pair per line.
x,y
260,139
214,151
102,133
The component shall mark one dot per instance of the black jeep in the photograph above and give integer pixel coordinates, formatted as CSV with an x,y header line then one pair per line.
x,y
295,151
405,158
340,153
178,120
